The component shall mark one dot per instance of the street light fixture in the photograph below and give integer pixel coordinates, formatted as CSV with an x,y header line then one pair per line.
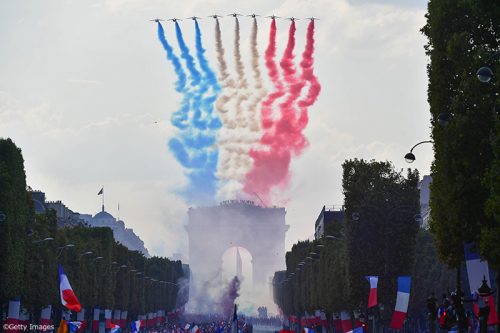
x,y
61,249
47,239
86,253
97,258
485,74
410,157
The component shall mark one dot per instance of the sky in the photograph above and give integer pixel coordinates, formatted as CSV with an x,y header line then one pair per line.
x,y
87,94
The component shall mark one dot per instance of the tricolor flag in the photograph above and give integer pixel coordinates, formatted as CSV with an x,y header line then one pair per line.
x,y
136,325
95,321
114,328
68,298
399,315
345,319
308,330
74,326
187,326
195,329
477,269
337,323
13,313
372,299
357,330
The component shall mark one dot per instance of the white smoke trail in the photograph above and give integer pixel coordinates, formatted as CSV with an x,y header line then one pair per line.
x,y
236,137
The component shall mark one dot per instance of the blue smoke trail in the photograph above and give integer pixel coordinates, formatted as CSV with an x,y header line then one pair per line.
x,y
210,81
192,147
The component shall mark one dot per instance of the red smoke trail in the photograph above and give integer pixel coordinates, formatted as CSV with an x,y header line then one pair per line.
x,y
307,66
272,68
283,136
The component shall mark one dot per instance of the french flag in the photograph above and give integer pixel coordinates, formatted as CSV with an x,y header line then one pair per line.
x,y
136,326
114,328
345,319
13,313
372,298
399,315
68,297
95,321
45,315
337,323
477,269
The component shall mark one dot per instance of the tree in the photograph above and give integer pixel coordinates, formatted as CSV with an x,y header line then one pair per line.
x,y
381,206
15,205
461,34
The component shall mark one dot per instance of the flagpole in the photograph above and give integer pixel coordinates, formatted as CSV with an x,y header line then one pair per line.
x,y
103,198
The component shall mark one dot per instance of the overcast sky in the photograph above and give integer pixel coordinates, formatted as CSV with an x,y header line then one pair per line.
x,y
83,82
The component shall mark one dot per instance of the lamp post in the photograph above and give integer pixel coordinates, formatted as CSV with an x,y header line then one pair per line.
x,y
485,74
484,309
410,157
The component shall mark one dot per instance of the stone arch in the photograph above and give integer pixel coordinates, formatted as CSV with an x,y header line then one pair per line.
x,y
212,230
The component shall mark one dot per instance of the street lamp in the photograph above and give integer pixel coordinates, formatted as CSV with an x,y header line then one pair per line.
x,y
484,310
86,253
47,239
61,249
485,74
410,157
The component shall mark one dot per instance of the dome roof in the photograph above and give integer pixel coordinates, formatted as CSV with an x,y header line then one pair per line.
x,y
103,215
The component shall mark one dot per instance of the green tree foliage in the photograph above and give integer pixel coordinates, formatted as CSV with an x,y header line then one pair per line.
x,y
379,240
428,275
17,209
381,208
461,35
120,279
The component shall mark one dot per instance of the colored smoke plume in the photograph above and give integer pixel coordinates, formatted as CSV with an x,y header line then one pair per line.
x,y
283,137
307,65
229,296
193,145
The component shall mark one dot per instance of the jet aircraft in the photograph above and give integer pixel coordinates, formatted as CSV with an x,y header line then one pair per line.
x,y
174,19
215,16
156,20
194,18
312,18
234,15
253,15
273,17
293,19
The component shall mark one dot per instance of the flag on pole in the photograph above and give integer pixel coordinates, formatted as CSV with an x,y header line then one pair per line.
x,y
477,269
399,315
372,298
136,325
95,322
13,314
68,297
357,330
114,328
337,323
345,319
195,329
74,326
101,191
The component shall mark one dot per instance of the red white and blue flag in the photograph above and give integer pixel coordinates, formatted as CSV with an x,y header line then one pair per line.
x,y
399,315
477,269
136,326
345,319
372,298
68,297
114,328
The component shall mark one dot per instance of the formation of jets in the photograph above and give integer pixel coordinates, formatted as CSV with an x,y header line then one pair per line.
x,y
235,15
